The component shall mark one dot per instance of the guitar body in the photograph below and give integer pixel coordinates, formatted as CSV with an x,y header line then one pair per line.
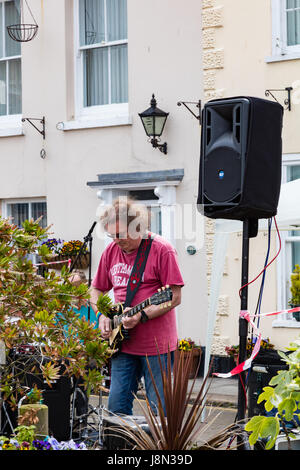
x,y
116,314
118,334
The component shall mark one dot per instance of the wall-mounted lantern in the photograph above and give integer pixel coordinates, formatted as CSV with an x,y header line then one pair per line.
x,y
154,120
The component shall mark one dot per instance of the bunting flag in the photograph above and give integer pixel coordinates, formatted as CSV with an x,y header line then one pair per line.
x,y
247,364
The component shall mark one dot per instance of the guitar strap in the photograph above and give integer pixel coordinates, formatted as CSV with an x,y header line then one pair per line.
x,y
135,277
136,274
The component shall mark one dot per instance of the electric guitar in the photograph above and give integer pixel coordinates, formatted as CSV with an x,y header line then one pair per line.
x,y
116,315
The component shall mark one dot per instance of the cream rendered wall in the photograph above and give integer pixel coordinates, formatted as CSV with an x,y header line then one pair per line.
x,y
238,40
164,47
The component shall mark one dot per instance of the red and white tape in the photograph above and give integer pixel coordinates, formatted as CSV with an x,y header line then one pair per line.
x,y
69,261
247,364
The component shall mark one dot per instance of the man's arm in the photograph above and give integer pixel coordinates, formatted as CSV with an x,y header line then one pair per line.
x,y
154,311
94,294
104,323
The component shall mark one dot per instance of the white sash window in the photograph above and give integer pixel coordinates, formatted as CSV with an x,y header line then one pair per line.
x,y
102,59
21,210
10,61
292,11
290,243
285,30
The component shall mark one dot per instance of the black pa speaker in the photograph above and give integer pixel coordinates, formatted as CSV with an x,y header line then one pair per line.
x,y
240,161
56,396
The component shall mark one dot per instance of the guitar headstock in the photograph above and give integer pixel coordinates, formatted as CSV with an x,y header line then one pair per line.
x,y
162,296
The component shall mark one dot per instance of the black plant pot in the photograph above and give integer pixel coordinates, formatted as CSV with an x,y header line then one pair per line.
x,y
296,315
222,364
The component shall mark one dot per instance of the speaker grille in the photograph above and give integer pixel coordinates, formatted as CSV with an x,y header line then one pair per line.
x,y
222,175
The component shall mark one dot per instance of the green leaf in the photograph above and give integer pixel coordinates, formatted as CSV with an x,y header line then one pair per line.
x,y
283,355
287,406
264,427
269,396
104,304
254,425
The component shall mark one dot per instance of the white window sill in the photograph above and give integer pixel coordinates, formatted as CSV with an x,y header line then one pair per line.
x,y
286,324
93,122
11,131
283,57
11,126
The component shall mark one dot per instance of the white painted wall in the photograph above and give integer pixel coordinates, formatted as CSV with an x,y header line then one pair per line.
x,y
164,44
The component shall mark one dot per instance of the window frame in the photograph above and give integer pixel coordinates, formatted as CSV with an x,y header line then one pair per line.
x,y
29,201
109,114
284,260
9,118
280,49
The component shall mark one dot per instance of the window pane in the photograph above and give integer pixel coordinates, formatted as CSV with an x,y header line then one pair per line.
x,y
92,24
15,87
292,4
39,209
95,77
119,74
155,220
12,16
293,22
1,30
116,19
3,107
295,253
293,172
19,212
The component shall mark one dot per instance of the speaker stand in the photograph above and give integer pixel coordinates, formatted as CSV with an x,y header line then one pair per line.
x,y
250,230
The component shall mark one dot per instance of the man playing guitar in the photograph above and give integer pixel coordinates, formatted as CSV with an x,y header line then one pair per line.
x,y
153,330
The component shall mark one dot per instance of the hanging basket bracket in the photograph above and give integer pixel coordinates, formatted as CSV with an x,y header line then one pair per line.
x,y
42,121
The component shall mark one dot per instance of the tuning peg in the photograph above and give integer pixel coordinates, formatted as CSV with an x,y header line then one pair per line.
x,y
163,288
169,304
158,290
167,286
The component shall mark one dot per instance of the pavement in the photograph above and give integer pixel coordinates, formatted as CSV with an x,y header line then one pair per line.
x,y
220,412
220,392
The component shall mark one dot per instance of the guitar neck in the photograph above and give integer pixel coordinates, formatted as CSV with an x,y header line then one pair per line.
x,y
117,319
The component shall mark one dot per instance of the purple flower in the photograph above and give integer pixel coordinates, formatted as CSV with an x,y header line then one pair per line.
x,y
41,445
54,443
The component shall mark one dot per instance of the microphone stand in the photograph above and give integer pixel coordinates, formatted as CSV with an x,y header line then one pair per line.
x,y
88,239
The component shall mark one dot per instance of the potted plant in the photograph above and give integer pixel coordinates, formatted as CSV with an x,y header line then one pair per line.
x,y
32,412
281,399
188,346
233,350
180,425
62,251
295,291
38,320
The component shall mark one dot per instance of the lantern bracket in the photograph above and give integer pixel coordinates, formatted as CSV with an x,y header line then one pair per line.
x,y
198,105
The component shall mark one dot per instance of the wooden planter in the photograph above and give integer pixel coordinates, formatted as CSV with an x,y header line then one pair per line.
x,y
196,353
81,263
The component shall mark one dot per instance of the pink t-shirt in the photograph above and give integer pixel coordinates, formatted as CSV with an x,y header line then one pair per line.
x,y
161,269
